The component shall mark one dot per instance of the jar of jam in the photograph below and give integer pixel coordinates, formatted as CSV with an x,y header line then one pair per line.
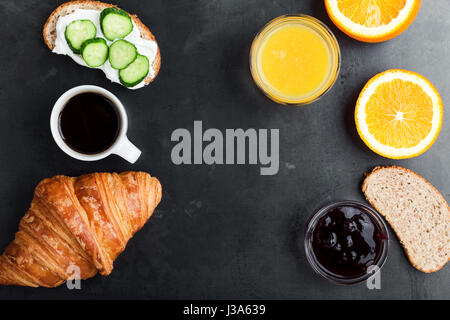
x,y
344,239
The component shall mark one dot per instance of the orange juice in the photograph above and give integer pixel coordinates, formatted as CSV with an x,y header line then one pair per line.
x,y
295,59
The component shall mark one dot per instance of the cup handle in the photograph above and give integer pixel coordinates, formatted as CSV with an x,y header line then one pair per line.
x,y
127,150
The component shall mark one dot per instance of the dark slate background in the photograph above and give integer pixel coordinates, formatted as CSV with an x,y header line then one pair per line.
x,y
221,231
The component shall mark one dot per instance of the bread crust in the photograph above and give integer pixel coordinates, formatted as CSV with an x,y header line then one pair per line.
x,y
49,30
406,170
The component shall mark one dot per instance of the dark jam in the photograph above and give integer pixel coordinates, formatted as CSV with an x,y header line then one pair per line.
x,y
346,241
89,123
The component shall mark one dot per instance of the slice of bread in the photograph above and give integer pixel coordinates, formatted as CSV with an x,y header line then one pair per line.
x,y
416,211
49,32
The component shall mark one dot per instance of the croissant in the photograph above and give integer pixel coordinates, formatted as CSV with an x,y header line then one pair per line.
x,y
82,222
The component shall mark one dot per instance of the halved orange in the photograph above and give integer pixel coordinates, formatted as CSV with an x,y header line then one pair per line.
x,y
372,20
399,114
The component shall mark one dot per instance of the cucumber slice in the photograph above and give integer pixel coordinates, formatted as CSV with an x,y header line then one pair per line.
x,y
115,23
121,54
79,31
135,72
94,52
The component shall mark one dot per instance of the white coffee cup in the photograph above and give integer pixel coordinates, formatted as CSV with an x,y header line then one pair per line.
x,y
121,146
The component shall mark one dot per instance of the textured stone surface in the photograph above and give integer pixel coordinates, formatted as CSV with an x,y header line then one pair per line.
x,y
221,231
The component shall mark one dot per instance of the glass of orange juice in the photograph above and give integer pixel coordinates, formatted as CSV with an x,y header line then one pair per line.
x,y
295,59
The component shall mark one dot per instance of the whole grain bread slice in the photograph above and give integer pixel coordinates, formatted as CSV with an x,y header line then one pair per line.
x,y
49,31
416,211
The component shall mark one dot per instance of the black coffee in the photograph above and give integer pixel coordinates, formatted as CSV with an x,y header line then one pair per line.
x,y
89,123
